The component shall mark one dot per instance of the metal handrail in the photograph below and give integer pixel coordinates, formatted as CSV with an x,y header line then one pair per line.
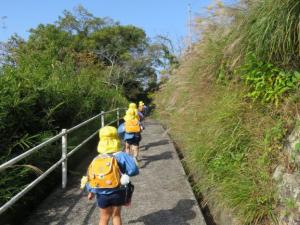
x,y
91,119
113,110
82,143
112,122
83,123
14,199
29,152
62,161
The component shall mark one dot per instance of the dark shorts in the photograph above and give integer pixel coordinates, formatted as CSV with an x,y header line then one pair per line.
x,y
114,199
135,140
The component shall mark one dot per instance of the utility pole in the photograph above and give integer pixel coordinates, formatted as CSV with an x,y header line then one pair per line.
x,y
189,44
2,19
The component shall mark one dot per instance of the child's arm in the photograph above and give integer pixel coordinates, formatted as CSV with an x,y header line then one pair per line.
x,y
90,196
141,126
85,185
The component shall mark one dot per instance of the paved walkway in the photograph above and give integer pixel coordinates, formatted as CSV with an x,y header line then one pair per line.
x,y
162,195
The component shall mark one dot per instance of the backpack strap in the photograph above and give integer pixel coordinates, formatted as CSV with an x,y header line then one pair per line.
x,y
114,155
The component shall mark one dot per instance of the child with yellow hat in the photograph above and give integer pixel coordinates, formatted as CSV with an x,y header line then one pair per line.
x,y
105,177
132,128
143,108
134,107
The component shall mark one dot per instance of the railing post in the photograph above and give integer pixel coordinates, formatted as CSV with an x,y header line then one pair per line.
x,y
102,119
118,117
64,147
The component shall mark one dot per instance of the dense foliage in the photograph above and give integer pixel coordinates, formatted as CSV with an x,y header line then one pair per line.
x,y
63,74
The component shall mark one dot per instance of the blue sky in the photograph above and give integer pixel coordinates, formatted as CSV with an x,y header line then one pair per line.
x,y
165,17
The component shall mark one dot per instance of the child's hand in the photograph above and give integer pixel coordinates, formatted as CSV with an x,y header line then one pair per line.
x,y
90,196
83,182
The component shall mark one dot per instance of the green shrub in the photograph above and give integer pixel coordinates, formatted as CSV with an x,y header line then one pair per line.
x,y
267,82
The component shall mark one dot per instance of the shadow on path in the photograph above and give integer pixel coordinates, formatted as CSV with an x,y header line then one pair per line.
x,y
89,215
148,159
179,215
71,200
154,144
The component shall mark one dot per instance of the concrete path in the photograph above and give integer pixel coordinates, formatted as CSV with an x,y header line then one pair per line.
x,y
162,194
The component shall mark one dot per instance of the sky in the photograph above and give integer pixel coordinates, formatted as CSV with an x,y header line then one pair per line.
x,y
156,17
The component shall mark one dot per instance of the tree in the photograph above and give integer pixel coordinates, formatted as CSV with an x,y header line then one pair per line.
x,y
82,22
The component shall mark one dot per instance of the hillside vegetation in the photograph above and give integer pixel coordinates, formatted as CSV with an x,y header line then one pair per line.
x,y
237,94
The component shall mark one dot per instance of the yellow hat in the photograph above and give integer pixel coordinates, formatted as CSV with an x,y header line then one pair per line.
x,y
109,140
141,103
132,106
131,114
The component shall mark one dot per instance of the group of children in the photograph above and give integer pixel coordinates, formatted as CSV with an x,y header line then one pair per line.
x,y
108,174
132,127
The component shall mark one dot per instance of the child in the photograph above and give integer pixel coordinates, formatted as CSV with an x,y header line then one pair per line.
x,y
106,184
133,130
142,108
140,114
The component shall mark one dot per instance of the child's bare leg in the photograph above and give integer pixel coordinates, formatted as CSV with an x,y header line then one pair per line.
x,y
116,216
105,215
135,153
135,150
130,150
127,148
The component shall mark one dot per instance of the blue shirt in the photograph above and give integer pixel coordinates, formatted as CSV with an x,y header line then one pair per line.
x,y
127,166
141,115
121,130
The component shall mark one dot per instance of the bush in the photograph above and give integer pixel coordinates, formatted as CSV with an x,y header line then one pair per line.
x,y
267,82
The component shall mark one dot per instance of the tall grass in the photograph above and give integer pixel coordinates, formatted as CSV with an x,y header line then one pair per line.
x,y
270,28
227,142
